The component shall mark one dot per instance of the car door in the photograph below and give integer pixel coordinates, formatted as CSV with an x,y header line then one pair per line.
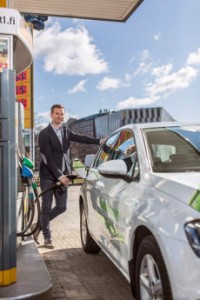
x,y
116,197
113,199
96,210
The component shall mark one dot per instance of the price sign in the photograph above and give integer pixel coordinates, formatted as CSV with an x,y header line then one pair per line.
x,y
24,96
23,77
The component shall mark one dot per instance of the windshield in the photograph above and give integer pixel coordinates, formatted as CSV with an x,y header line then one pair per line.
x,y
174,149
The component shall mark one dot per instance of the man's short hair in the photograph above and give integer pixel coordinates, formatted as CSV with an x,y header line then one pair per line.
x,y
56,106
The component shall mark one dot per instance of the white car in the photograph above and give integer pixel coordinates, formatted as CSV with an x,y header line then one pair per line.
x,y
140,204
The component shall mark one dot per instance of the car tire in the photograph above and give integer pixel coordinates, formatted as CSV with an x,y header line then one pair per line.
x,y
152,281
88,243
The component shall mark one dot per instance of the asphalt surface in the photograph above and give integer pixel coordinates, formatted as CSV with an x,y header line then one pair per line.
x,y
75,274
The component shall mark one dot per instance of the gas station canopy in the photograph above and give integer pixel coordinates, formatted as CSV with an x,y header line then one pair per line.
x,y
13,24
110,10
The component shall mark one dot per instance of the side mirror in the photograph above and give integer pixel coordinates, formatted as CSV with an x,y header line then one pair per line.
x,y
113,168
88,160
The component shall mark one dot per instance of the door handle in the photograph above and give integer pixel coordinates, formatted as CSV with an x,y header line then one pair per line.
x,y
99,185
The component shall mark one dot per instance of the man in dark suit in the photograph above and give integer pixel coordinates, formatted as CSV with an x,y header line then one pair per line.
x,y
54,143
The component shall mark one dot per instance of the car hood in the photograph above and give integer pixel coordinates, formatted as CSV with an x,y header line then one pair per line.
x,y
183,186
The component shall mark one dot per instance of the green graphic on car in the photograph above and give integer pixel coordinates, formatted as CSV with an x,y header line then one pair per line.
x,y
108,223
195,200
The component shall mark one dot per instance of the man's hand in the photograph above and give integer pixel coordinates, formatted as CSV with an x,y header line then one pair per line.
x,y
103,140
64,180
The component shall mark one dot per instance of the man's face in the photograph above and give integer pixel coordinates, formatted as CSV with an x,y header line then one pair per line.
x,y
57,116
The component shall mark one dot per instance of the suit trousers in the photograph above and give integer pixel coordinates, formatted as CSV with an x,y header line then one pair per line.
x,y
47,212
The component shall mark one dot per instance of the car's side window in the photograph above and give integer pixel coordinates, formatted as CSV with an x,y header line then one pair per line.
x,y
121,145
164,152
124,145
173,150
106,151
125,149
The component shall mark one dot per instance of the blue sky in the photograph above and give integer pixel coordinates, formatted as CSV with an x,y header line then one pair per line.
x,y
153,59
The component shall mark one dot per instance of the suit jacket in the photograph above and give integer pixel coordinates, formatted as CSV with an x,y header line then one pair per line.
x,y
52,151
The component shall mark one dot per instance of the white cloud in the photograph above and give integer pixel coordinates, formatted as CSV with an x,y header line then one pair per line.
x,y
145,63
113,83
170,83
109,83
134,102
145,55
156,36
127,77
194,58
43,116
70,51
41,120
162,70
79,87
166,82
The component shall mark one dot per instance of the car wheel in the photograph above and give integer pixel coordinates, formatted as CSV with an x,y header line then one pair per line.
x,y
152,280
88,243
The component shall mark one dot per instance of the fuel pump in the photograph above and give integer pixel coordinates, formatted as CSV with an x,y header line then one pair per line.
x,y
16,52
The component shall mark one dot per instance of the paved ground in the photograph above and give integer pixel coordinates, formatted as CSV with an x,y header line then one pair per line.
x,y
75,274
